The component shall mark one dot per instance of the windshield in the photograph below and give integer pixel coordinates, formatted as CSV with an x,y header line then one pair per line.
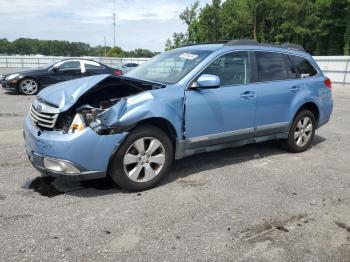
x,y
169,67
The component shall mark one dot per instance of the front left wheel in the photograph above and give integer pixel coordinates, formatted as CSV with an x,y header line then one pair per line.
x,y
143,159
28,86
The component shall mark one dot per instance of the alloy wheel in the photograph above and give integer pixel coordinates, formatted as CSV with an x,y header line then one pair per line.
x,y
144,159
29,86
303,131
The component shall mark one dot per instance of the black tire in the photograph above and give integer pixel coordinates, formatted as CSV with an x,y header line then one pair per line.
x,y
21,89
117,170
291,144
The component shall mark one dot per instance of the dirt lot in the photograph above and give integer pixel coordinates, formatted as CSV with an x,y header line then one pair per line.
x,y
256,203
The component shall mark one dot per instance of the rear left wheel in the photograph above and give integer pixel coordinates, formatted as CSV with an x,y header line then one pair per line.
x,y
143,159
302,132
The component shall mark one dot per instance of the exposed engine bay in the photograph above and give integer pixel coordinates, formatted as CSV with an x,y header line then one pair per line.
x,y
98,99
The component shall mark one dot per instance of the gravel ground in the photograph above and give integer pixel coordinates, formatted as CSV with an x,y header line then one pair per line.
x,y
256,203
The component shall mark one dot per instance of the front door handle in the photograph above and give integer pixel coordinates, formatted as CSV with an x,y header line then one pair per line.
x,y
248,95
295,89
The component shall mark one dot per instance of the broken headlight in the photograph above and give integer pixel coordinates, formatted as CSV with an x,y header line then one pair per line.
x,y
77,125
86,117
90,117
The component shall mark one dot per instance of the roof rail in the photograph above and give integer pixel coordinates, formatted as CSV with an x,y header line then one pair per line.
x,y
293,46
249,42
205,43
254,42
242,42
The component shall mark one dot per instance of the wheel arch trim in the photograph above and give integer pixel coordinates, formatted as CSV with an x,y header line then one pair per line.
x,y
310,105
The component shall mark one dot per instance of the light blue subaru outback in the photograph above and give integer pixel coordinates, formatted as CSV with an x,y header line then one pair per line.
x,y
186,101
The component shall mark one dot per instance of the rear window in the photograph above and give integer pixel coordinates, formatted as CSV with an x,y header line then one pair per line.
x,y
92,65
304,67
274,66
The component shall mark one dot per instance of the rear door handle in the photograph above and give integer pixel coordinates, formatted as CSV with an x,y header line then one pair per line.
x,y
295,89
248,95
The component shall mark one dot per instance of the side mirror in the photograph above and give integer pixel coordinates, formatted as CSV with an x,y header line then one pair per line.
x,y
55,69
208,81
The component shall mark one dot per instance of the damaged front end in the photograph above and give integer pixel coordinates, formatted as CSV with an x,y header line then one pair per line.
x,y
87,107
74,127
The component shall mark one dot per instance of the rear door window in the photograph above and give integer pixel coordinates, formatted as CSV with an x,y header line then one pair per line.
x,y
304,67
274,66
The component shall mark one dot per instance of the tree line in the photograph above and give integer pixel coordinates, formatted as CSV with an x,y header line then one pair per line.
x,y
28,46
321,26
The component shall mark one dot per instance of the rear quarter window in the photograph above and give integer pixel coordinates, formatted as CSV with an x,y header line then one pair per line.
x,y
304,67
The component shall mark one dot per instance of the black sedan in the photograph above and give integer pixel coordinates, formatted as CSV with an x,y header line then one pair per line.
x,y
30,82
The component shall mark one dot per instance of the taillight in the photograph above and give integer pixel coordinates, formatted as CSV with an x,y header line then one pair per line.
x,y
328,83
118,72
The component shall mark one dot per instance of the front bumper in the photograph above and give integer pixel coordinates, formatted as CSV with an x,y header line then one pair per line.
x,y
8,84
37,161
87,151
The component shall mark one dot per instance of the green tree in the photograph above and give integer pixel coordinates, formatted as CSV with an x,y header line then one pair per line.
x,y
321,26
115,51
28,46
332,26
232,14
190,18
209,22
347,32
168,45
5,46
178,40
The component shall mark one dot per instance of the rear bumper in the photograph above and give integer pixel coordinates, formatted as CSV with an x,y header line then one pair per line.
x,y
88,152
326,112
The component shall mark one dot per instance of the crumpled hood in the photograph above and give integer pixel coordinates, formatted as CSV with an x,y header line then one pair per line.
x,y
65,94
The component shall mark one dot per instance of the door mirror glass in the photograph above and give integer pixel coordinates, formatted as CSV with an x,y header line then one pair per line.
x,y
208,81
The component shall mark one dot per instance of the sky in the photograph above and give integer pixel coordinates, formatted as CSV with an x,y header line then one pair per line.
x,y
139,23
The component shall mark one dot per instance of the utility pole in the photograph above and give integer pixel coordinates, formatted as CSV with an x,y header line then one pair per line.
x,y
114,17
105,46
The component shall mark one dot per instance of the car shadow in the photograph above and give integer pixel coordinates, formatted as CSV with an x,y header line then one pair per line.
x,y
231,156
181,169
12,93
15,93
